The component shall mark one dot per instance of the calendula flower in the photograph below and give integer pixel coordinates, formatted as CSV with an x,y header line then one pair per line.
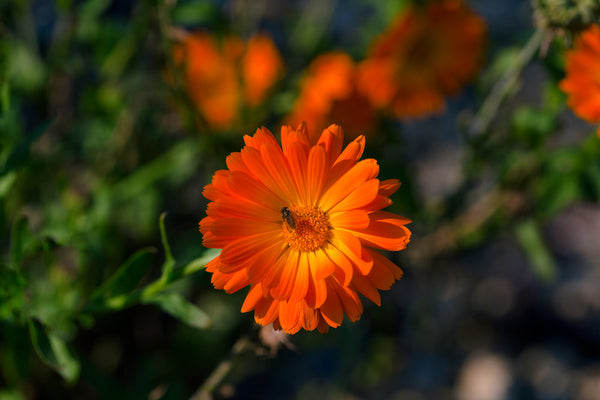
x,y
211,76
300,224
425,55
223,77
262,67
582,80
329,94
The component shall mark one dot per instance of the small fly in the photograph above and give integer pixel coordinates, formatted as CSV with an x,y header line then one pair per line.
x,y
287,217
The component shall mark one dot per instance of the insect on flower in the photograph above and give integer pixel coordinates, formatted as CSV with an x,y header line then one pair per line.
x,y
306,263
287,217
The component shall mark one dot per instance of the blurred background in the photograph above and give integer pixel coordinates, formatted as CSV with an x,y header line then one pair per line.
x,y
114,112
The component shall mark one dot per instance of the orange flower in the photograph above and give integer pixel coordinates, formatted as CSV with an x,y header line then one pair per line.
x,y
300,223
582,80
329,95
425,55
212,74
211,77
261,68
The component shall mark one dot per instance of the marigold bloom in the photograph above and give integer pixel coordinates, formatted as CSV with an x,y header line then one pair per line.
x,y
425,55
220,78
582,80
300,223
329,95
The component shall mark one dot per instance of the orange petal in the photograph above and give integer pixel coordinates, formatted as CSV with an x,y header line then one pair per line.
x,y
386,232
225,207
236,281
289,270
240,250
353,151
383,261
301,281
320,265
290,316
310,318
362,195
332,310
234,162
350,302
332,139
262,136
388,187
279,170
355,219
316,173
254,161
359,173
351,246
340,259
266,311
366,288
290,136
260,264
298,161
249,189
252,298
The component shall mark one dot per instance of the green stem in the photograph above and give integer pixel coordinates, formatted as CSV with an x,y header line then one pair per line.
x,y
123,301
213,381
504,86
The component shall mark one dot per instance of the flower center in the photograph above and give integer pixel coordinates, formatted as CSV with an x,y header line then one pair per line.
x,y
305,228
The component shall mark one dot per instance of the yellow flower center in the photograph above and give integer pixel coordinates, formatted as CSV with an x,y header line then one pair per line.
x,y
305,228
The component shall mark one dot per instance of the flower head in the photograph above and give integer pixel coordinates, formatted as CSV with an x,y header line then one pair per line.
x,y
300,224
582,80
222,76
262,66
329,95
211,77
425,55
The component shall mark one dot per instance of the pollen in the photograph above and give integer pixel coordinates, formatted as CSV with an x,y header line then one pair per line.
x,y
311,228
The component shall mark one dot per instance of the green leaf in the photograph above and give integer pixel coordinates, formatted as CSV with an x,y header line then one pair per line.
x,y
199,263
175,305
194,12
6,182
53,351
12,293
530,239
128,276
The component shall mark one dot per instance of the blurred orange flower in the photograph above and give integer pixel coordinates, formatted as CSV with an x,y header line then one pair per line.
x,y
329,95
212,74
425,55
582,80
300,223
262,66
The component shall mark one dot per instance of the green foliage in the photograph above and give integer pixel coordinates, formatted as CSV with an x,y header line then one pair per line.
x,y
127,277
12,295
529,237
53,351
181,309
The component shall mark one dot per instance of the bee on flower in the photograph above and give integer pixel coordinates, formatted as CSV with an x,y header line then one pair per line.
x,y
301,223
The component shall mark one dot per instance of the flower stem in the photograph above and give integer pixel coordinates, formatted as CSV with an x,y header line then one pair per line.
x,y
504,86
213,381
